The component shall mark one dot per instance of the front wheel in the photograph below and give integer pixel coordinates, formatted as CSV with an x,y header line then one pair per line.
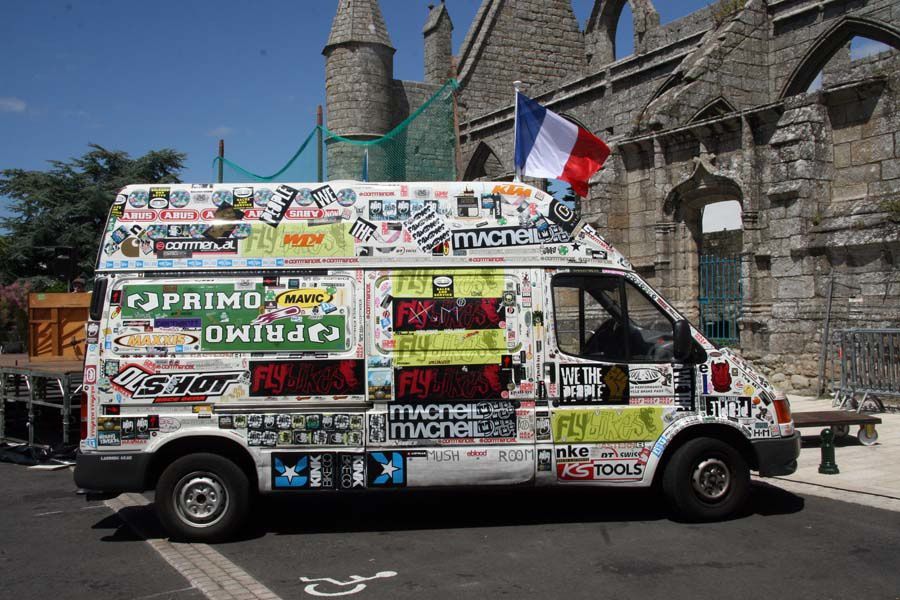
x,y
706,480
202,497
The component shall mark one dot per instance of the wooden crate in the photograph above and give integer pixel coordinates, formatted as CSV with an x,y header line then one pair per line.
x,y
56,326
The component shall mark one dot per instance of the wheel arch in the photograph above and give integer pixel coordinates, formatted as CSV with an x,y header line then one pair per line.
x,y
730,434
172,450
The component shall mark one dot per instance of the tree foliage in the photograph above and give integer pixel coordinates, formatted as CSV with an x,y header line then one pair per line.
x,y
67,206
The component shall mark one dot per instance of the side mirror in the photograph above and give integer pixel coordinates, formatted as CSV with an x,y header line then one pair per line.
x,y
97,298
683,341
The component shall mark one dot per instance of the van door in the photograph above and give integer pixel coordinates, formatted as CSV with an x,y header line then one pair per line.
x,y
616,383
451,376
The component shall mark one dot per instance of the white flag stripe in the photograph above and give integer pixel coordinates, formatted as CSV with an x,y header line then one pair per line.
x,y
551,150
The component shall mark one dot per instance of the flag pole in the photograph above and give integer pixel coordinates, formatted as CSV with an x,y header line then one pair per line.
x,y
518,175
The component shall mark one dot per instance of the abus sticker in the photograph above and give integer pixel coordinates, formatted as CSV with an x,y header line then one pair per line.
x,y
139,384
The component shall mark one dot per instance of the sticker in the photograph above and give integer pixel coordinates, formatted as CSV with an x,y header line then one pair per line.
x,y
593,384
386,469
307,378
427,228
452,421
636,424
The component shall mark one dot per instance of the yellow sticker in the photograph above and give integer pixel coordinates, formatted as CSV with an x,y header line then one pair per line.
x,y
300,240
474,347
303,298
638,424
466,283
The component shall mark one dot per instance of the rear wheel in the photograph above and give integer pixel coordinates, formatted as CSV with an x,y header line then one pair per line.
x,y
706,480
202,497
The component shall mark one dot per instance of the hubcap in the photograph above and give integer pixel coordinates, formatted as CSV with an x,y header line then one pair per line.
x,y
711,479
200,499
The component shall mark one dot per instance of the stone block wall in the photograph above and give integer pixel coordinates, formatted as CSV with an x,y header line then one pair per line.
x,y
711,109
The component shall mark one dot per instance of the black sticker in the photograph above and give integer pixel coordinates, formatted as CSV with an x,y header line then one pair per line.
x,y
324,196
278,205
593,384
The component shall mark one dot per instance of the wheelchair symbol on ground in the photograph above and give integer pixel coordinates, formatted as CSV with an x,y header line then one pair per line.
x,y
355,581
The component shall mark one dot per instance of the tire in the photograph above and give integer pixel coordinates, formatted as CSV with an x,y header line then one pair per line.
x,y
867,436
706,480
202,498
841,431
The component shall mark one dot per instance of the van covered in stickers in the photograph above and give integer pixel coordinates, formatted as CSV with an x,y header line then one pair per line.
x,y
350,336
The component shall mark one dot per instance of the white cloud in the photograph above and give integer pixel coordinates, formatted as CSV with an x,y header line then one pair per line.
x,y
220,131
11,104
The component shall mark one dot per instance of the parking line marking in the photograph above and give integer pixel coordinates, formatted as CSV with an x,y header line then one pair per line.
x,y
203,566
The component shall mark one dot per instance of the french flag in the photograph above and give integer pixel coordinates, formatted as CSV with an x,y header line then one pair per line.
x,y
550,146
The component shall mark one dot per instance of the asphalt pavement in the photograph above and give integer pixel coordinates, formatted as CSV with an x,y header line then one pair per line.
x,y
527,543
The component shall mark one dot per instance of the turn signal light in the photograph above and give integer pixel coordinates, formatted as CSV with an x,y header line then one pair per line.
x,y
783,414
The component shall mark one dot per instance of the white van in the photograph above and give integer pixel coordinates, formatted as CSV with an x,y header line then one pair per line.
x,y
348,336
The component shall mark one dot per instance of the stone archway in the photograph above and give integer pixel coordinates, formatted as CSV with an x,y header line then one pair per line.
x,y
604,19
818,55
684,205
484,165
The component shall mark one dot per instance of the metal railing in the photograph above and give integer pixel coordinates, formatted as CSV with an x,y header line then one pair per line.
x,y
721,298
868,363
37,390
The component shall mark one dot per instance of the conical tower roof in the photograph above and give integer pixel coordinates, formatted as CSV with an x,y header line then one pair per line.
x,y
358,21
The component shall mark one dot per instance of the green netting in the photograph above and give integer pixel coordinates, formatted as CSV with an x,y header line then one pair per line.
x,y
421,148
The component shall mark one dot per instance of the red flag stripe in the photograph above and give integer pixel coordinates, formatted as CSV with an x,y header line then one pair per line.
x,y
587,157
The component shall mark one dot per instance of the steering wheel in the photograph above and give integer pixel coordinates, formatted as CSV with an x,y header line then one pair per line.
x,y
603,336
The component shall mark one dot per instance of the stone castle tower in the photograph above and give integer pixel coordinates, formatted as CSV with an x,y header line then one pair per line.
x,y
359,75
720,105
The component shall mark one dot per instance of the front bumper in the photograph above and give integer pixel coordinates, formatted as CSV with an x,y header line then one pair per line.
x,y
777,456
112,472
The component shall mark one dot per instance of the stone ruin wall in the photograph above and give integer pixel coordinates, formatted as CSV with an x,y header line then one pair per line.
x,y
704,111
811,171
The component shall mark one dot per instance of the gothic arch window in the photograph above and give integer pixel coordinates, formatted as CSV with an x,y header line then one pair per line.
x,y
613,27
623,37
815,59
484,165
715,108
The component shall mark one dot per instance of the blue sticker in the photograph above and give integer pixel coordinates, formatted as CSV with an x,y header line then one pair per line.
x,y
287,475
165,264
195,263
224,262
660,445
254,262
387,469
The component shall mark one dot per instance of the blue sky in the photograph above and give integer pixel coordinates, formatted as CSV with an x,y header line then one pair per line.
x,y
137,76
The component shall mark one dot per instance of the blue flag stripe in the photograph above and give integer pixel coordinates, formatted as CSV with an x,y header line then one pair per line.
x,y
528,123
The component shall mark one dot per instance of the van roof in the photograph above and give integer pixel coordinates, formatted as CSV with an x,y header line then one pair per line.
x,y
183,227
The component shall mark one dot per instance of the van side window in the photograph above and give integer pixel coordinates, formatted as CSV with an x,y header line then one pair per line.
x,y
650,337
606,318
589,316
